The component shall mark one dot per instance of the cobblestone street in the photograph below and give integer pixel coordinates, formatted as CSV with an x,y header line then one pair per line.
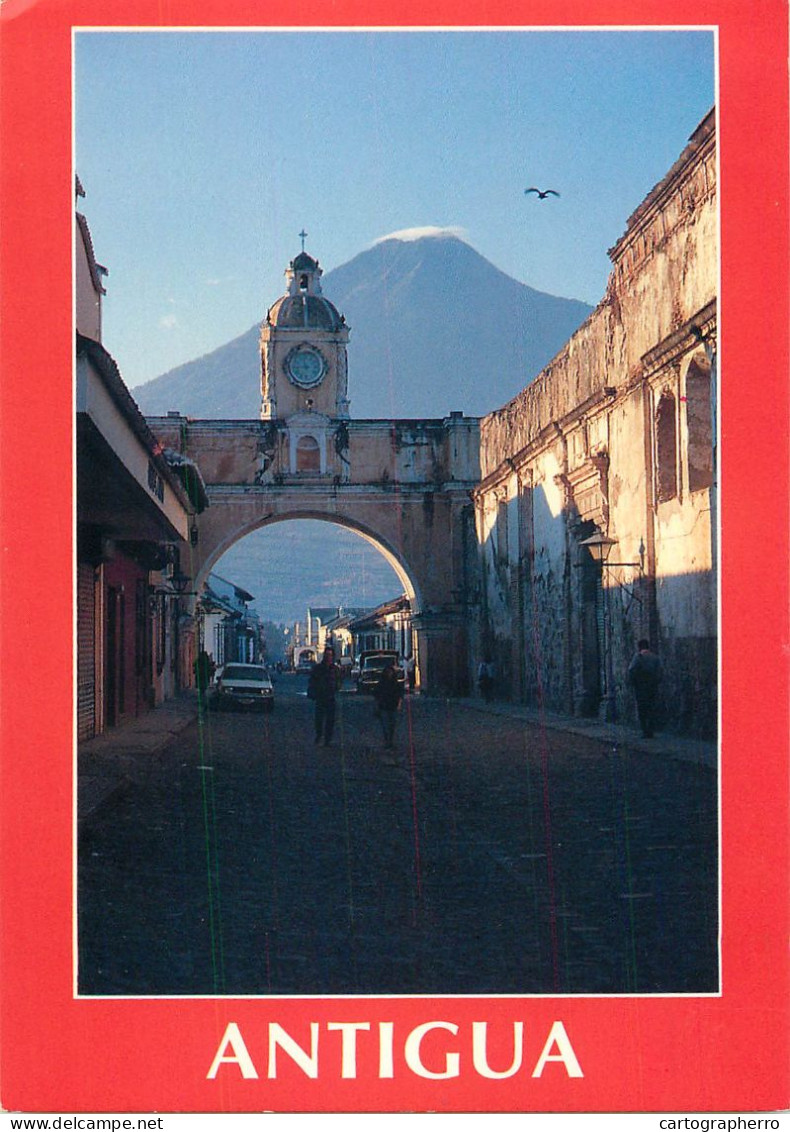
x,y
486,855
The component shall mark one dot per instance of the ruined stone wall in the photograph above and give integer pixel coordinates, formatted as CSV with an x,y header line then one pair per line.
x,y
614,437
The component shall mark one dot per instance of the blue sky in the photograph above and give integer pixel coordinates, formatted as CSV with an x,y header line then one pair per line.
x,y
203,154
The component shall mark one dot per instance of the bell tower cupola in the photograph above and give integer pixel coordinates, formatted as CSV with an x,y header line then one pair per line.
x,y
304,341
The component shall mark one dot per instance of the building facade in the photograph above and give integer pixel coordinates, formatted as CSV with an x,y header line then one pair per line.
x,y
228,629
611,451
135,514
386,627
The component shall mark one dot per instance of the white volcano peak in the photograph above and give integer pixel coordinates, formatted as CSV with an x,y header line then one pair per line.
x,y
409,235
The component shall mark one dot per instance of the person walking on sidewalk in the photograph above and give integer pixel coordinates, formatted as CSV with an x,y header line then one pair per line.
x,y
322,690
644,676
204,668
486,675
388,694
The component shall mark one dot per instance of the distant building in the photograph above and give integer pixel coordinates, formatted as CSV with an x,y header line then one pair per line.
x,y
339,635
229,630
305,656
388,626
317,618
329,625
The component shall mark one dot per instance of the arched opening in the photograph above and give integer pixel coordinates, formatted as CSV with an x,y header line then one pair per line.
x,y
700,429
666,448
301,582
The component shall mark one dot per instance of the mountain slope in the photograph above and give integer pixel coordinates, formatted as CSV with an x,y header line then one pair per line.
x,y
434,326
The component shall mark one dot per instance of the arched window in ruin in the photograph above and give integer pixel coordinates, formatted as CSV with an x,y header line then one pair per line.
x,y
700,429
308,454
502,533
666,448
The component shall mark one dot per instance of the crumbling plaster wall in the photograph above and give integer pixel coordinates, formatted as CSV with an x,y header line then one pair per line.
x,y
585,424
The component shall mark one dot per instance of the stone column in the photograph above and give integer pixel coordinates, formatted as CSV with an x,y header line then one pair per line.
x,y
442,650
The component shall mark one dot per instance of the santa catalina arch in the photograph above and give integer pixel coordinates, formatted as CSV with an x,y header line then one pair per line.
x,y
403,485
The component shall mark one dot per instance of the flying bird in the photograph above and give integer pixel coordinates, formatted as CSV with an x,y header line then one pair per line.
x,y
542,193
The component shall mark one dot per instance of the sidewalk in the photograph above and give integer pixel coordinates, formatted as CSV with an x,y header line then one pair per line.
x,y
700,751
112,760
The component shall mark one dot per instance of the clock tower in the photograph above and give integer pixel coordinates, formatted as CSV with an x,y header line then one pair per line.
x,y
304,374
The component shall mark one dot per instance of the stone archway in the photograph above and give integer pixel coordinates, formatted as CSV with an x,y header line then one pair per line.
x,y
400,580
403,485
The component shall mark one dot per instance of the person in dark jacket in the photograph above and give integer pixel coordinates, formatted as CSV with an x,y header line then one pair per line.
x,y
644,676
388,694
486,676
204,671
322,690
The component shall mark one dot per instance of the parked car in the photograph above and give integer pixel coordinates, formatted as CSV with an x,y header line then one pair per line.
x,y
245,686
371,666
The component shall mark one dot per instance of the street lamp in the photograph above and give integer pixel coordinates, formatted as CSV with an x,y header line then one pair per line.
x,y
179,585
180,582
600,547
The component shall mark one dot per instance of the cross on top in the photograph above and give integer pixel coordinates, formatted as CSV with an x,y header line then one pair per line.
x,y
303,237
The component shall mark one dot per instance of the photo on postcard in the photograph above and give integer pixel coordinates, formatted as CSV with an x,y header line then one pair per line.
x,y
396,448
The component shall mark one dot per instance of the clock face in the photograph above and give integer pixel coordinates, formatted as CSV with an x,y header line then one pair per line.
x,y
305,366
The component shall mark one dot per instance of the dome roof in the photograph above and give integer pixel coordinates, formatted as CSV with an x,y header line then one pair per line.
x,y
304,262
305,312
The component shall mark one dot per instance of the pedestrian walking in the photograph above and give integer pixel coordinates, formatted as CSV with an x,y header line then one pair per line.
x,y
322,689
388,694
644,676
485,678
204,670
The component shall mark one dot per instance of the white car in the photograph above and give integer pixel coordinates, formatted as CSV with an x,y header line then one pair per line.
x,y
244,685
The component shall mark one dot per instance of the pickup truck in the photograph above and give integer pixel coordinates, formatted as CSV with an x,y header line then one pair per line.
x,y
371,666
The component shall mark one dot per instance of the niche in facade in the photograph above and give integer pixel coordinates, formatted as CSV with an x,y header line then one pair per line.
x,y
308,454
666,448
700,426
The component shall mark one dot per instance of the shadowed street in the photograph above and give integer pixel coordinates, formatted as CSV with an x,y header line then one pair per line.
x,y
486,855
